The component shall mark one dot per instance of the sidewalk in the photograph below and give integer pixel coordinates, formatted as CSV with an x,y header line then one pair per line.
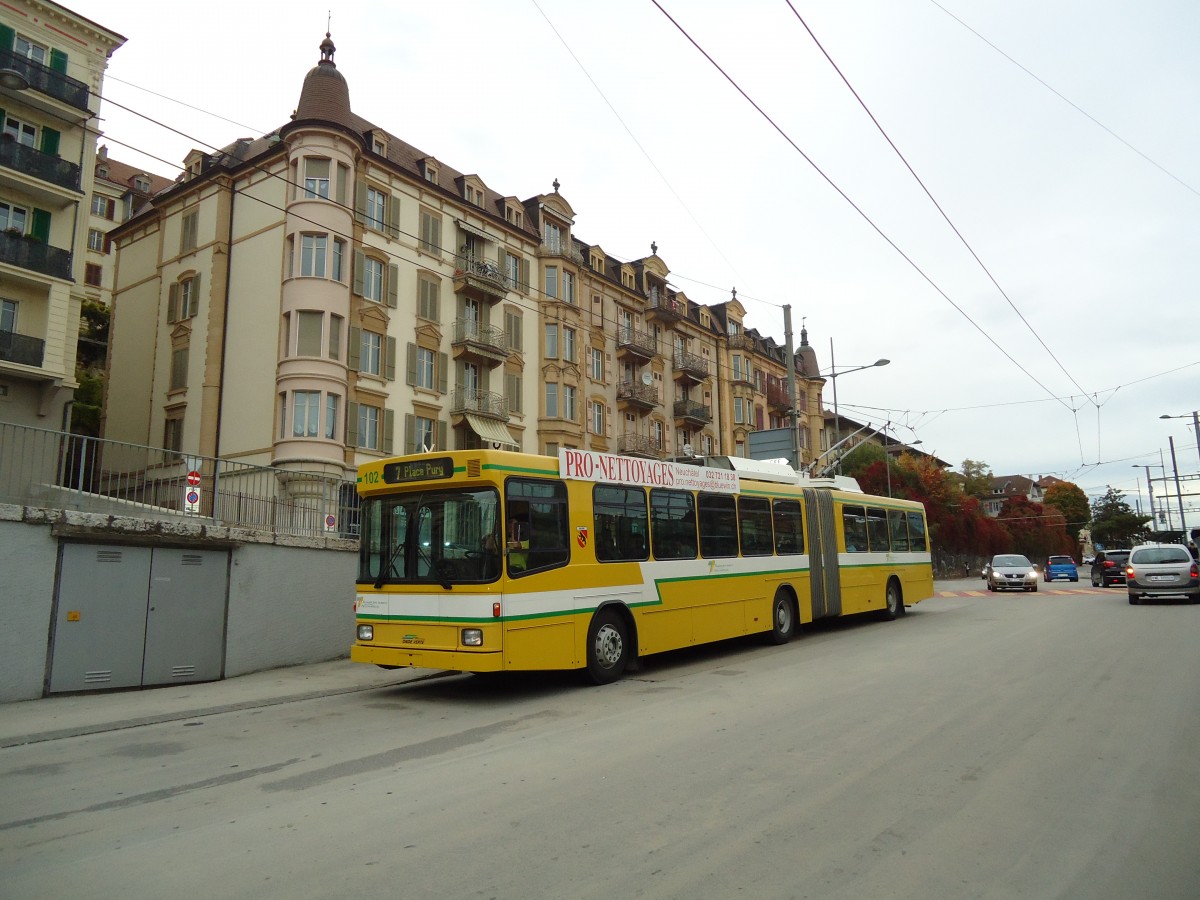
x,y
62,716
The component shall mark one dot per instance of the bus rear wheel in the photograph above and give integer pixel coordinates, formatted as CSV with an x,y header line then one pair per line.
x,y
783,619
893,603
608,648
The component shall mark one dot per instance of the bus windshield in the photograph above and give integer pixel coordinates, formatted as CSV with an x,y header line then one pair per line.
x,y
441,537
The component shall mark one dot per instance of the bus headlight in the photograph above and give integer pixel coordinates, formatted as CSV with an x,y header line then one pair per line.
x,y
366,632
472,637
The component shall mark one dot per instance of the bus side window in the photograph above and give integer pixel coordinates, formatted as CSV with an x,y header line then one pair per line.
x,y
916,531
854,528
877,530
718,525
898,525
673,524
789,527
549,540
754,524
620,523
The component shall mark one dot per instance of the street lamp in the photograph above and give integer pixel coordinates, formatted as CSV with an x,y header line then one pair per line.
x,y
1195,424
833,376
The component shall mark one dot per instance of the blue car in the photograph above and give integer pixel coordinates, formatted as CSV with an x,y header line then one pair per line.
x,y
1061,567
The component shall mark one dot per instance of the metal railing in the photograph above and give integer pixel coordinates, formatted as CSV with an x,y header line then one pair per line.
x,y
489,337
689,409
29,253
59,470
638,393
641,342
639,444
54,169
44,79
487,403
485,270
21,348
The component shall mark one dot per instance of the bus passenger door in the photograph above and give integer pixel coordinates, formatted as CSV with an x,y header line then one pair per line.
x,y
825,582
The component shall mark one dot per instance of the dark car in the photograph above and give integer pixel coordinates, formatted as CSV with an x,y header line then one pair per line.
x,y
1109,568
1162,570
1061,567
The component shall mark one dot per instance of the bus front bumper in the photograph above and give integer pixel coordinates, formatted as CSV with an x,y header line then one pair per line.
x,y
408,657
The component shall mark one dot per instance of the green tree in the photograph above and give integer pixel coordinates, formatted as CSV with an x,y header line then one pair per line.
x,y
1070,500
977,478
862,457
1114,523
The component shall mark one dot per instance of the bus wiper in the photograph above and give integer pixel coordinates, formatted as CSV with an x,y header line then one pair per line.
x,y
396,552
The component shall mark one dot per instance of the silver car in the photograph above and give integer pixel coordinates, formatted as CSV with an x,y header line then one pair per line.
x,y
1010,571
1162,570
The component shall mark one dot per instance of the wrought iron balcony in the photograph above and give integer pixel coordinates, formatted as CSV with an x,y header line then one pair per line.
x,y
21,250
662,307
45,80
482,274
741,341
635,394
777,397
638,445
688,365
691,411
31,161
639,343
22,349
563,247
484,403
486,342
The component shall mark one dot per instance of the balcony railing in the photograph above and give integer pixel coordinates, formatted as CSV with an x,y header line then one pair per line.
x,y
19,250
31,161
662,306
46,80
638,444
741,341
488,338
633,392
777,397
563,247
689,409
22,349
484,273
485,403
640,342
689,364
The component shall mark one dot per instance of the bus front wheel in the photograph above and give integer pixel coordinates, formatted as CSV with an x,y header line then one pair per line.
x,y
608,648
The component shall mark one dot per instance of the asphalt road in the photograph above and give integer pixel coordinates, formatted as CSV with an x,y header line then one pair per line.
x,y
1013,745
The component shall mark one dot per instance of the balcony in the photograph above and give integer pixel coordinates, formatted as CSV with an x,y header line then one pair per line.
x,y
22,349
664,308
633,342
33,162
482,403
482,277
476,342
20,250
638,445
641,396
689,367
741,341
777,398
563,247
692,412
46,81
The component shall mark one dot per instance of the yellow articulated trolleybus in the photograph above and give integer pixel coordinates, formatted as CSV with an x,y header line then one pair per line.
x,y
489,561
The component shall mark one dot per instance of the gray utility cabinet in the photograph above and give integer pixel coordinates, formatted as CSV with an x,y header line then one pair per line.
x,y
130,616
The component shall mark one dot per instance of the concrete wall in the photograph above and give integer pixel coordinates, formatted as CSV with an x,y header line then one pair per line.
x,y
291,600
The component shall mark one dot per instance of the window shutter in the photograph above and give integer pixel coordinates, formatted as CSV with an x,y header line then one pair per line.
x,y
351,424
360,263
410,376
443,362
441,431
393,286
58,62
393,214
7,36
390,363
343,176
40,227
352,357
49,141
195,296
360,202
172,302
410,433
525,276
389,424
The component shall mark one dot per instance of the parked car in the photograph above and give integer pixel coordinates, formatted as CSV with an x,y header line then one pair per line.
x,y
1088,560
1010,571
1108,568
1162,570
1061,567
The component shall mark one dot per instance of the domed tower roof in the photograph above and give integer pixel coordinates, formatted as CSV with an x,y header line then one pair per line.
x,y
325,96
807,357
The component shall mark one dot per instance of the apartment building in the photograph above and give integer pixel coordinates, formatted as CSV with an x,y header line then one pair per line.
x,y
329,292
52,64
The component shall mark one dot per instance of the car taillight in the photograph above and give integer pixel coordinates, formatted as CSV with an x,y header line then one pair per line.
x,y
1195,573
1129,571
1108,564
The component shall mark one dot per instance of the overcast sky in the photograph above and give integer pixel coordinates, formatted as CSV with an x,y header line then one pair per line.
x,y
1089,227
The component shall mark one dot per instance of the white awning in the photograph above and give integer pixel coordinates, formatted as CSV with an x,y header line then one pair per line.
x,y
471,229
491,430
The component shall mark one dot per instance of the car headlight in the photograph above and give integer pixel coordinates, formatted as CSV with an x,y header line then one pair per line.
x,y
366,632
472,637
1031,575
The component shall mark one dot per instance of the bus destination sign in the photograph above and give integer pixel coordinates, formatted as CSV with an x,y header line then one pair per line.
x,y
418,470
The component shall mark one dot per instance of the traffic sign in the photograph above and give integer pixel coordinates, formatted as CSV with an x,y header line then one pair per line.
x,y
193,478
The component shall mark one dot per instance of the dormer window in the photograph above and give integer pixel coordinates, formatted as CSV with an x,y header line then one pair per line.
x,y
429,171
597,262
379,146
141,183
512,215
555,237
102,171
